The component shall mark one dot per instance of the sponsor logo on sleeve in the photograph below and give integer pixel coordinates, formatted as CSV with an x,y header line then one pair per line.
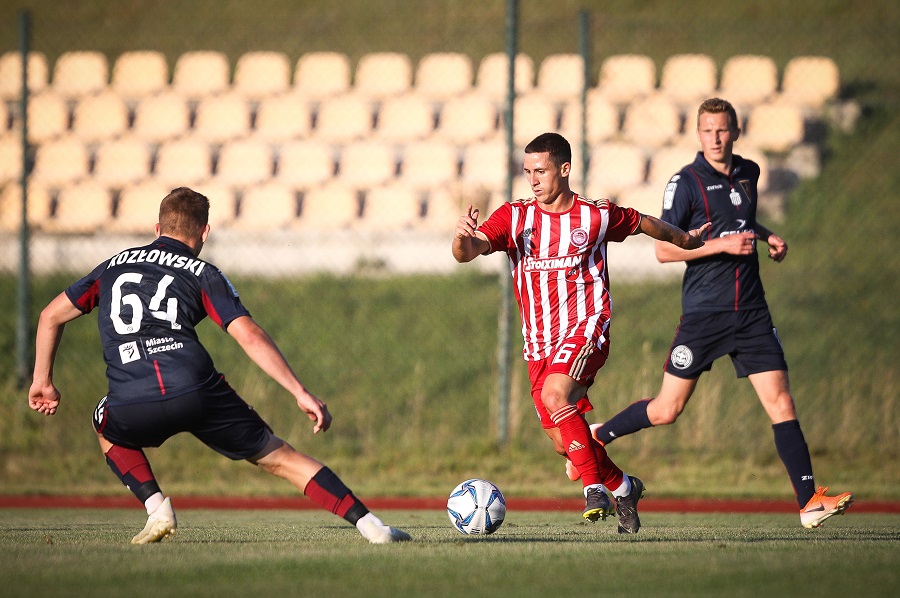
x,y
669,195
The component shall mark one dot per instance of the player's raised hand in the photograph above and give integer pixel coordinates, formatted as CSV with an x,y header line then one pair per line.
x,y
316,410
777,247
696,236
43,398
466,225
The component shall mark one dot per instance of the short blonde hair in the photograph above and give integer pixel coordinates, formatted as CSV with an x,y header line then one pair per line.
x,y
718,106
183,212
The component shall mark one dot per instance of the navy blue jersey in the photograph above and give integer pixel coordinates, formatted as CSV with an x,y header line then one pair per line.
x,y
699,194
150,299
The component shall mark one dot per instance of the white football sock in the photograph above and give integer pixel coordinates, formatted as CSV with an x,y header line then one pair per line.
x,y
624,488
152,503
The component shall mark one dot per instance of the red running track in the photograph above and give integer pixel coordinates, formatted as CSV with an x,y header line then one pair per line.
x,y
648,505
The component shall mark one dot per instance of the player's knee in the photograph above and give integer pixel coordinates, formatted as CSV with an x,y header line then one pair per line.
x,y
664,414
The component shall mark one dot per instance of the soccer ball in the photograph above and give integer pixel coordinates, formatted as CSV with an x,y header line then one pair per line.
x,y
476,507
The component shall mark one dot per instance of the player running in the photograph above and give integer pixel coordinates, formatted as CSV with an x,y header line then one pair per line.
x,y
724,306
162,381
556,242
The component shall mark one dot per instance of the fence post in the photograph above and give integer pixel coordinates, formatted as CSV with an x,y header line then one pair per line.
x,y
23,330
584,48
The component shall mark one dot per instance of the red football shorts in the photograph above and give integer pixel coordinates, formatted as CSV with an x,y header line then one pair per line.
x,y
578,358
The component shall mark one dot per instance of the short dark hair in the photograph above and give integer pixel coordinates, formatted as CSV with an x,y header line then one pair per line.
x,y
183,212
552,143
718,106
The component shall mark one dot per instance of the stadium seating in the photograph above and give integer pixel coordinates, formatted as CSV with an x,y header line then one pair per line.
x,y
221,202
651,122
443,75
492,78
201,73
321,75
748,80
343,119
138,74
85,207
80,73
561,77
328,208
774,127
11,74
383,74
185,161
391,208
39,206
162,117
101,116
266,207
533,114
810,81
243,163
284,117
431,163
304,164
222,117
666,161
262,74
688,79
61,162
467,119
646,199
10,158
405,118
137,209
121,162
366,164
625,78
602,119
484,164
614,167
48,117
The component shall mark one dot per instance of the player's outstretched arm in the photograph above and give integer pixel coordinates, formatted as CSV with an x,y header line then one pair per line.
x,y
43,396
663,231
468,243
260,347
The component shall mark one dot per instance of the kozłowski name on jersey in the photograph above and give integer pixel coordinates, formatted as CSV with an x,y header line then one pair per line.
x,y
156,256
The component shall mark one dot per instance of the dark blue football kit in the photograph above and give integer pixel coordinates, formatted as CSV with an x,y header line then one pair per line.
x,y
162,381
724,310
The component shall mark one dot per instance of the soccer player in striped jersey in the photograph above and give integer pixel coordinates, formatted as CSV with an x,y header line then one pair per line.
x,y
556,242
162,381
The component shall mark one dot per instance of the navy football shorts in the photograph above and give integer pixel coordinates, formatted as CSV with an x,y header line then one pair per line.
x,y
216,415
748,337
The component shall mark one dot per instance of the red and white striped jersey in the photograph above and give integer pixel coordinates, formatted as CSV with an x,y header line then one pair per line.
x,y
558,265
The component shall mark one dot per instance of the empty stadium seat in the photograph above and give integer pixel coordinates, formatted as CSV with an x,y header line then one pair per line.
x,y
810,81
85,207
748,80
137,210
533,114
492,78
443,209
651,122
262,74
688,79
304,164
141,73
391,208
429,164
646,199
443,75
121,162
614,167
666,161
561,77
750,153
80,73
162,117
61,162
405,118
11,74
222,117
329,207
221,202
383,74
322,74
282,118
201,73
343,119
48,117
266,207
244,162
484,164
367,164
602,119
39,206
467,119
184,161
774,127
627,77
10,158
101,116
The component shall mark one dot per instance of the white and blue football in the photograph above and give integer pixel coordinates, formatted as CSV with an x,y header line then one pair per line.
x,y
476,507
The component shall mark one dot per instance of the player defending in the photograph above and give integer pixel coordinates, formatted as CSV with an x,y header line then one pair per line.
x,y
162,381
724,306
556,243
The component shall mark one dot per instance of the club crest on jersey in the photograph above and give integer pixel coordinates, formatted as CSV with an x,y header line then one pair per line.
x,y
745,184
681,357
579,237
129,352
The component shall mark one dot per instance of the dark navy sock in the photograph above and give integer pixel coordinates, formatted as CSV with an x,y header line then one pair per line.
x,y
628,421
794,453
